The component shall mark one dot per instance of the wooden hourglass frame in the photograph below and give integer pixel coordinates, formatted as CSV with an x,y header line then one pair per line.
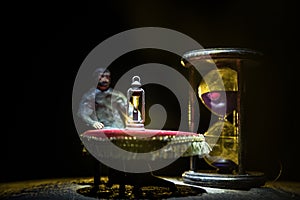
x,y
222,91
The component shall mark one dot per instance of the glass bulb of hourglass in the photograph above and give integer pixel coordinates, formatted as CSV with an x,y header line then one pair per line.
x,y
223,139
218,92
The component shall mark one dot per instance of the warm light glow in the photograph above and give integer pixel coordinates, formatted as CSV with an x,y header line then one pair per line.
x,y
182,63
135,101
220,79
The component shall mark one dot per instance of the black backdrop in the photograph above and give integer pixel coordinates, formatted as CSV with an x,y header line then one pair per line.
x,y
47,42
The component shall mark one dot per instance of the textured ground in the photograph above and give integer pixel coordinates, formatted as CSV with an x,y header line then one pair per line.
x,y
82,189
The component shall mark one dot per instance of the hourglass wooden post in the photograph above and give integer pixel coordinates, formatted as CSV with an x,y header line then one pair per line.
x,y
191,112
240,118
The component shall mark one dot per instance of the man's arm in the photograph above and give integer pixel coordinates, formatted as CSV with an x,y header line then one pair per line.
x,y
86,111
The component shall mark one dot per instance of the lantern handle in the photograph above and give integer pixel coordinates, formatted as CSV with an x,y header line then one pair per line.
x,y
136,81
136,77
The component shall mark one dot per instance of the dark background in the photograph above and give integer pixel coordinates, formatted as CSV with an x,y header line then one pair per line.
x,y
47,42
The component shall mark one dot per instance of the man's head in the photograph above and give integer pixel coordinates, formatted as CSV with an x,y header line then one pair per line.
x,y
103,77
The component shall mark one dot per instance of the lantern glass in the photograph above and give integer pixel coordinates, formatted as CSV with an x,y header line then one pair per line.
x,y
136,105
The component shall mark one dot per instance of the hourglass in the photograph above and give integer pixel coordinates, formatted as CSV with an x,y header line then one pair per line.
x,y
221,90
218,92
